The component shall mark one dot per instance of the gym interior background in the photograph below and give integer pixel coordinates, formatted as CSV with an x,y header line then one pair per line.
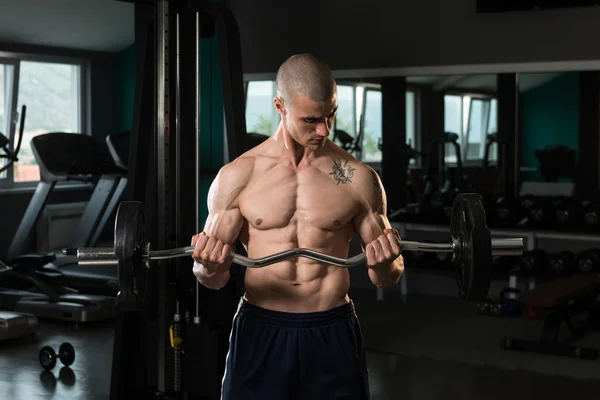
x,y
410,70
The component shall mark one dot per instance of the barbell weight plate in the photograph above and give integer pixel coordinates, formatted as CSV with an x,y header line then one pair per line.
x,y
473,258
129,238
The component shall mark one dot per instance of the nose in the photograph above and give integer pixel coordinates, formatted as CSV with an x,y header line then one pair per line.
x,y
323,130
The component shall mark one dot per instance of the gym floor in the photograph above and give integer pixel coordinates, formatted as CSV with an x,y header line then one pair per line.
x,y
426,348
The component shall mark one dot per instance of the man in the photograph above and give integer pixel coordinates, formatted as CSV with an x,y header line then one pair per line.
x,y
296,334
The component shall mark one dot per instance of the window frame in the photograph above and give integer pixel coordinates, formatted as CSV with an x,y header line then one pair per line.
x,y
464,135
11,118
8,184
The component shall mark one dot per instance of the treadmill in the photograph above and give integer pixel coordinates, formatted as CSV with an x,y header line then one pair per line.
x,y
80,158
77,275
14,324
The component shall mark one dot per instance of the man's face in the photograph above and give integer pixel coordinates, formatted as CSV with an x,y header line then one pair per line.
x,y
309,122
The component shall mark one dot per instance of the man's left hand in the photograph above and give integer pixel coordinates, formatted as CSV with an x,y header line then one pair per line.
x,y
383,250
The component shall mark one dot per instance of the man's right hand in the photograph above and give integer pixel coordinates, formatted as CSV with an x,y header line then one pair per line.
x,y
212,254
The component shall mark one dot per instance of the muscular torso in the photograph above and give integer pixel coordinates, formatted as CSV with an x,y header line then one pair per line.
x,y
287,207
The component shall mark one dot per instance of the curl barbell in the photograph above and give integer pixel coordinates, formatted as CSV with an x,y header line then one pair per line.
x,y
471,246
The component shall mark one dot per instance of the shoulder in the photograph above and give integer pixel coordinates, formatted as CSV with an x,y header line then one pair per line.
x,y
361,179
368,189
368,183
238,170
231,179
356,172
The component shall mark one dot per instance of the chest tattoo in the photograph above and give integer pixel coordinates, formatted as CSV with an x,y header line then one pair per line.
x,y
342,173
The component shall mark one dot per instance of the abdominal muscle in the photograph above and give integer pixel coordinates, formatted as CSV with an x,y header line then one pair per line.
x,y
297,285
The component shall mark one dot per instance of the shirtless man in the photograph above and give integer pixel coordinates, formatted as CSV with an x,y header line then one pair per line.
x,y
295,334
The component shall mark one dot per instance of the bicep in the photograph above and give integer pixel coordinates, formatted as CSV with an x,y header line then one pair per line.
x,y
370,225
371,219
224,219
224,224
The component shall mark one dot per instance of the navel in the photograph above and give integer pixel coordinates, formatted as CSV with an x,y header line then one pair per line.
x,y
258,222
337,223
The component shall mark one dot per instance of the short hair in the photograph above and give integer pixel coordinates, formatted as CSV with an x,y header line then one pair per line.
x,y
305,75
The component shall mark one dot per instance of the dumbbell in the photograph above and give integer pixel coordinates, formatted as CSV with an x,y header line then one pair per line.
x,y
533,262
591,215
505,212
47,356
588,261
568,213
561,263
541,212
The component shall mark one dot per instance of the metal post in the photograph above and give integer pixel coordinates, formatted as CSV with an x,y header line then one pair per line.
x,y
517,148
163,173
177,373
197,131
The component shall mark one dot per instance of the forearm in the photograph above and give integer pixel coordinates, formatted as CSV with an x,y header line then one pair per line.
x,y
387,275
215,280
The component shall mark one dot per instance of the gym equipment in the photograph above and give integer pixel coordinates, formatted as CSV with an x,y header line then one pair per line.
x,y
189,104
561,263
491,307
15,325
438,209
568,213
66,355
34,291
471,246
588,261
492,180
556,162
541,213
501,306
12,156
533,263
69,157
591,215
505,212
559,300
118,146
511,307
348,142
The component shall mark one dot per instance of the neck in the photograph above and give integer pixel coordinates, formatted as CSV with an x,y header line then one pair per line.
x,y
293,152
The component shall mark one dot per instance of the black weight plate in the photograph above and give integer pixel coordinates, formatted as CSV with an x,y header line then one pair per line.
x,y
129,239
47,358
469,231
67,353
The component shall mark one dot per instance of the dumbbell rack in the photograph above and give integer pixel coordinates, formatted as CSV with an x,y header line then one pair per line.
x,y
531,240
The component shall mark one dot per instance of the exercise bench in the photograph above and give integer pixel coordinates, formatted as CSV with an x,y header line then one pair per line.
x,y
562,299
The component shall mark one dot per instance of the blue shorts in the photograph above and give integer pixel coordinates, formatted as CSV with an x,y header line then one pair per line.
x,y
277,355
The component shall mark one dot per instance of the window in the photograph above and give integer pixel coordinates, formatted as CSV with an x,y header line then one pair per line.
x,y
373,124
372,127
51,91
345,118
411,119
357,104
261,115
472,118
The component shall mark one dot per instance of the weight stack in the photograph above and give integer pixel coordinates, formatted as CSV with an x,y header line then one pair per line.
x,y
205,349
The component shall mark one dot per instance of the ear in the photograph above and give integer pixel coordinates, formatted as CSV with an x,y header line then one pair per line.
x,y
278,101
